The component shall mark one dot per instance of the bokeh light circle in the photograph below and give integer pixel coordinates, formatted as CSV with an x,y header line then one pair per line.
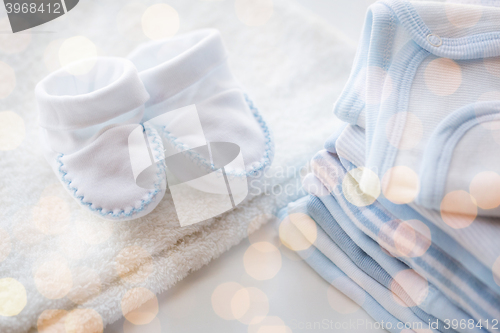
x,y
84,321
51,55
86,285
270,324
485,188
415,286
250,305
222,297
78,51
52,215
262,260
160,21
254,12
443,76
12,128
53,279
298,232
134,264
458,209
464,18
8,82
13,297
364,192
139,306
400,185
52,321
412,238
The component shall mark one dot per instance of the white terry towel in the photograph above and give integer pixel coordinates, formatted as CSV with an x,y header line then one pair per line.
x,y
293,67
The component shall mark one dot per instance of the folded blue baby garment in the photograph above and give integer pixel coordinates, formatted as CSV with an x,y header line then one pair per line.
x,y
393,299
337,277
425,86
408,198
370,257
414,248
475,247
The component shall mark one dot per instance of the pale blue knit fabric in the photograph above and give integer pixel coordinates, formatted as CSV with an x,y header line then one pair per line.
x,y
448,275
372,297
350,147
422,93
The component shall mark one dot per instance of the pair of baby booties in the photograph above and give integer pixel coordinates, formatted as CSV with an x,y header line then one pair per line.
x,y
177,96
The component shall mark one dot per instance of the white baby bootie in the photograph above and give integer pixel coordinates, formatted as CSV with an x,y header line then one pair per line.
x,y
215,139
86,121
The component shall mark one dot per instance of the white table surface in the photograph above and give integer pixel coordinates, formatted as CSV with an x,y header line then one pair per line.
x,y
296,294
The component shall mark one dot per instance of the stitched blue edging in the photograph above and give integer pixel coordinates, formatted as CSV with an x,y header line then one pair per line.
x,y
469,47
379,22
264,162
122,212
372,110
381,154
160,156
349,106
439,151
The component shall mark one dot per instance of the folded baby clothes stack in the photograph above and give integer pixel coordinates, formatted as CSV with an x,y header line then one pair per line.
x,y
405,198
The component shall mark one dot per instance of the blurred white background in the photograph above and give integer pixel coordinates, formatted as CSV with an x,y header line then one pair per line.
x,y
346,15
298,297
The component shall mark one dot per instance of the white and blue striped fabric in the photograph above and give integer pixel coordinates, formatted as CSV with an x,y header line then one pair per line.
x,y
345,245
436,265
370,257
335,267
406,195
475,247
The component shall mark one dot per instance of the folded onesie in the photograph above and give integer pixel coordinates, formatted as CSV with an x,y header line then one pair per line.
x,y
425,86
330,272
385,269
474,246
412,242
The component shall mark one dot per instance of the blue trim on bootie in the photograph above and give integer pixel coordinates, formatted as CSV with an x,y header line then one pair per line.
x,y
121,213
